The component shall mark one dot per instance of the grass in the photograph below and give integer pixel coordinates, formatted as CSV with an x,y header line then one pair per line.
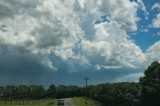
x,y
44,102
80,101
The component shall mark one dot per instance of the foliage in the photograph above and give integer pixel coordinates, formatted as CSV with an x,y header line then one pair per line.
x,y
151,85
68,91
51,92
117,94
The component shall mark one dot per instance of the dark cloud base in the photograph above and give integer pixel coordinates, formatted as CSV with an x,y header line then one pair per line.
x,y
63,77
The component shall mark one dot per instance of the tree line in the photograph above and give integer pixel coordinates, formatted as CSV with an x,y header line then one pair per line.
x,y
146,92
31,94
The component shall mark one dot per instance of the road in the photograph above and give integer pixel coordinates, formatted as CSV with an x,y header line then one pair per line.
x,y
67,102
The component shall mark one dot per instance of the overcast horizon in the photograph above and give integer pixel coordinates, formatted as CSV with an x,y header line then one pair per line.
x,y
62,41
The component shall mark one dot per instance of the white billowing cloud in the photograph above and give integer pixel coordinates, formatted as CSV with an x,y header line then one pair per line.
x,y
122,11
156,5
156,21
19,29
44,28
111,48
97,53
56,28
152,53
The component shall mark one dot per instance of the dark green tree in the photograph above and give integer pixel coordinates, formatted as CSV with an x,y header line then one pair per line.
x,y
37,92
151,85
1,91
51,92
23,91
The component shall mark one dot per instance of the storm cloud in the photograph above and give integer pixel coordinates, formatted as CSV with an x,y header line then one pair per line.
x,y
57,41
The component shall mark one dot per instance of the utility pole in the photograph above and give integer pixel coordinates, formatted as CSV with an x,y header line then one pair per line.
x,y
86,80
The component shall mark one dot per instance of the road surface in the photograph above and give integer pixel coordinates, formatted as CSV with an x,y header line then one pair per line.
x,y
67,102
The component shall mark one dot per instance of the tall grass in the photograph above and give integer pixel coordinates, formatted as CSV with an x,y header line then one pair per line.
x,y
80,101
43,102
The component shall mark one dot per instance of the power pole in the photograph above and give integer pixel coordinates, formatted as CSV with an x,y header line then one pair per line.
x,y
86,80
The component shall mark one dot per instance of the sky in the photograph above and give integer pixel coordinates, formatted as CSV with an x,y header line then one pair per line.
x,y
62,41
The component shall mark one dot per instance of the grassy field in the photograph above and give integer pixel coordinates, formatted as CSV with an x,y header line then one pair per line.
x,y
80,101
45,102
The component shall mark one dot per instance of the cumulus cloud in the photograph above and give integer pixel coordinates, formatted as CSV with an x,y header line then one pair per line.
x,y
41,35
108,38
152,53
45,27
156,21
156,6
124,12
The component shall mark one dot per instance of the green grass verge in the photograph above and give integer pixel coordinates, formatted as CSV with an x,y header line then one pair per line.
x,y
80,101
44,102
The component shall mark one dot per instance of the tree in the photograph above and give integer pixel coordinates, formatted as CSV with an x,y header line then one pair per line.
x,y
37,92
23,91
9,91
1,91
151,85
51,92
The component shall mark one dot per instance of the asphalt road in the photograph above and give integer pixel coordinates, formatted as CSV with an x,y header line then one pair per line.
x,y
67,102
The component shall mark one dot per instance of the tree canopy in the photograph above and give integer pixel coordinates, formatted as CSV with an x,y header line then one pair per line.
x,y
151,85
